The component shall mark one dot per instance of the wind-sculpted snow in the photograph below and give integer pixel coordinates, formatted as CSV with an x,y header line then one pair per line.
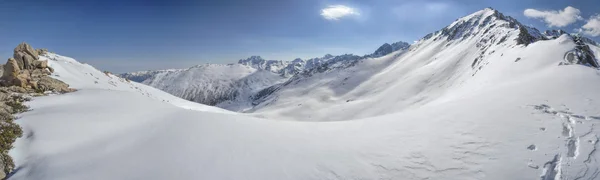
x,y
84,76
485,135
480,105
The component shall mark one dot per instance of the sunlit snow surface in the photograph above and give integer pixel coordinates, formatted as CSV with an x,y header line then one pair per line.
x,y
416,114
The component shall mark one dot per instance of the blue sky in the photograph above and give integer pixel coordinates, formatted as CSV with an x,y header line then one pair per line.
x,y
121,36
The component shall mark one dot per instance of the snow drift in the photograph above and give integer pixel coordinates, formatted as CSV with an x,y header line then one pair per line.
x,y
458,104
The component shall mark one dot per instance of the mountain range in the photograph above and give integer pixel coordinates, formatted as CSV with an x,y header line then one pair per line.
x,y
243,86
485,97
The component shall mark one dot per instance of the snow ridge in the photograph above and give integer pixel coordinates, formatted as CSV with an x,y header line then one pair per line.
x,y
480,105
236,86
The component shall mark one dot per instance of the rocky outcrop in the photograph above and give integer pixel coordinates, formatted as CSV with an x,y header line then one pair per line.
x,y
41,51
46,83
383,50
27,71
23,74
553,34
386,49
25,55
582,54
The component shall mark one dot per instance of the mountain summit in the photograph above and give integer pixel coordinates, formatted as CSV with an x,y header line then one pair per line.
x,y
483,98
476,36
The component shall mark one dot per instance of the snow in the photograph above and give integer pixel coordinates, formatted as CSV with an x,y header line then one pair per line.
x,y
84,76
227,86
426,112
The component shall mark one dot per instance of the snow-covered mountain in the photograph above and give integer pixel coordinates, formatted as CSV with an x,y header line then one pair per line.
x,y
484,98
233,86
386,48
454,61
215,84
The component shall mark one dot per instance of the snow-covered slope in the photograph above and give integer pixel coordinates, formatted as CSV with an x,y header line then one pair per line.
x,y
477,52
233,86
84,76
540,125
215,84
441,109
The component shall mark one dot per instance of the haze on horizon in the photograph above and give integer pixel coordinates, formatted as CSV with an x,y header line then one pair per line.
x,y
124,36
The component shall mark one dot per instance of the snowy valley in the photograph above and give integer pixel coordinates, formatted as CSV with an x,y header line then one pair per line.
x,y
484,98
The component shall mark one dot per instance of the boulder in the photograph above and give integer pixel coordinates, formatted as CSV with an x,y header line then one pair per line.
x,y
27,62
25,55
37,73
33,84
26,73
22,79
19,57
11,68
46,83
27,49
41,64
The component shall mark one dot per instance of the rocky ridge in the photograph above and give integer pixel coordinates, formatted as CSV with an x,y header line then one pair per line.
x,y
24,75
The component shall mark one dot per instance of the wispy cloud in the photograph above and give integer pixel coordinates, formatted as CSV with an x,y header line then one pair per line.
x,y
592,27
555,18
335,12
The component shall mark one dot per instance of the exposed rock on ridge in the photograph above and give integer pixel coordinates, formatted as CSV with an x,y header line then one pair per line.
x,y
26,70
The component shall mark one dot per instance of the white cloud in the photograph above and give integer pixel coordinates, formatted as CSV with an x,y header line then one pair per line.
x,y
335,12
559,18
592,27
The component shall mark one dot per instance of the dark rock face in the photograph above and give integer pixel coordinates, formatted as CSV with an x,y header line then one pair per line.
x,y
383,50
553,34
582,54
386,48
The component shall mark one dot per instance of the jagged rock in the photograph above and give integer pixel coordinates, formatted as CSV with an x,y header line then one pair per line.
x,y
553,34
582,54
19,57
383,50
36,73
25,55
46,83
27,62
42,64
386,48
27,49
41,51
26,73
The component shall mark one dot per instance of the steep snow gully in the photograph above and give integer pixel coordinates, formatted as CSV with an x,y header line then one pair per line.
x,y
484,98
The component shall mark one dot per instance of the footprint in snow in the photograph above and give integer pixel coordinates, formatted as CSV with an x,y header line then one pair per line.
x,y
532,147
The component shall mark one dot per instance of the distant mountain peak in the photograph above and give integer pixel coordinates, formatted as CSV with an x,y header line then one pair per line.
x,y
486,21
387,48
